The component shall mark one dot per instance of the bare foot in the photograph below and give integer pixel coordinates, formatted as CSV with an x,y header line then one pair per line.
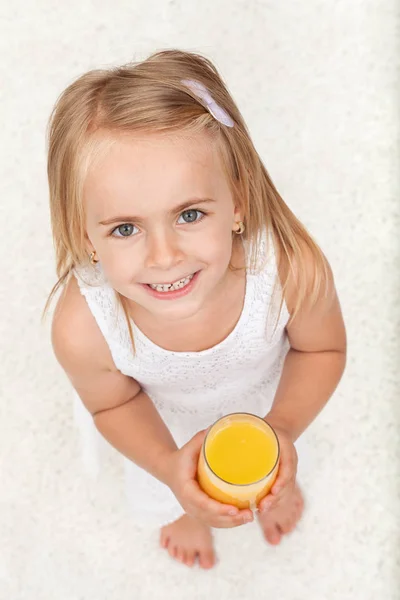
x,y
186,538
282,519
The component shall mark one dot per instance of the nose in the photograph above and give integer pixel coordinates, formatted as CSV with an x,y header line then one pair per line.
x,y
163,250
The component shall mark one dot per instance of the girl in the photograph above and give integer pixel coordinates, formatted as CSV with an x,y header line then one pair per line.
x,y
189,289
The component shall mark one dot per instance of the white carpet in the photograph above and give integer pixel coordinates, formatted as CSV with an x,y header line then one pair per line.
x,y
318,84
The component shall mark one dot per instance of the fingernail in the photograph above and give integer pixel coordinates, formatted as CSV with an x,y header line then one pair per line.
x,y
233,512
246,519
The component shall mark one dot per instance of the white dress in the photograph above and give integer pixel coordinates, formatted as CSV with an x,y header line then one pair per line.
x,y
190,389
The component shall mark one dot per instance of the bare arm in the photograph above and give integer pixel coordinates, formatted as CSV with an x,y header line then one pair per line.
x,y
121,411
136,430
312,369
314,364
126,416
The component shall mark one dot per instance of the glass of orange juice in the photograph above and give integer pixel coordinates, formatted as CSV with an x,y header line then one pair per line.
x,y
239,460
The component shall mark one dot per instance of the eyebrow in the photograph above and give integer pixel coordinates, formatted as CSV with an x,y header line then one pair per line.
x,y
179,208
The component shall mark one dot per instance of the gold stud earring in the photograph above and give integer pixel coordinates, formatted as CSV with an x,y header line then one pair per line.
x,y
92,258
240,228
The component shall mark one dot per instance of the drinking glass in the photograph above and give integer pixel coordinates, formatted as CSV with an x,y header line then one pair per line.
x,y
242,495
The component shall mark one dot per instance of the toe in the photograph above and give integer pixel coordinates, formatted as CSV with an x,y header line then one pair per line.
x,y
276,538
172,551
299,514
287,525
181,555
164,540
207,559
300,507
272,534
300,500
190,558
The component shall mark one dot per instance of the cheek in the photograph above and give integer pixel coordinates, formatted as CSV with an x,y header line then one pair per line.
x,y
118,265
218,250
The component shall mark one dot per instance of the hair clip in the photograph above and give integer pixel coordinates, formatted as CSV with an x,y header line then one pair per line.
x,y
217,111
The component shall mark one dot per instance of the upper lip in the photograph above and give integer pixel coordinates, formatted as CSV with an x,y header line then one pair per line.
x,y
171,280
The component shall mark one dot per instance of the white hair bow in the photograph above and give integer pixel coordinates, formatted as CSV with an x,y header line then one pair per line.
x,y
217,111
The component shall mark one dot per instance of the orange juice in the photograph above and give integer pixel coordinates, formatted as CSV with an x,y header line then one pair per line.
x,y
239,460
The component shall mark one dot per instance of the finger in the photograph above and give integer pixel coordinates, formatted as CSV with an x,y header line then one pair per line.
x,y
287,471
271,501
283,484
197,440
205,504
191,452
227,523
267,503
244,517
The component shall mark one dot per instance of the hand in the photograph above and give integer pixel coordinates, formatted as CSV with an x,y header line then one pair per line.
x,y
286,479
183,483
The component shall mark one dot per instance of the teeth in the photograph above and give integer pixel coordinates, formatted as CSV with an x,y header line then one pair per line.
x,y
168,287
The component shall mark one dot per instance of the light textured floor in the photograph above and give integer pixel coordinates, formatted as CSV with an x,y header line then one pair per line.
x,y
318,83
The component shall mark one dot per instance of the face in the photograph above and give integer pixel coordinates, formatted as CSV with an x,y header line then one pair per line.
x,y
158,212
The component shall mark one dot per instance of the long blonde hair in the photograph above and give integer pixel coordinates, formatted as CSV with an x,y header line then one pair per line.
x,y
149,97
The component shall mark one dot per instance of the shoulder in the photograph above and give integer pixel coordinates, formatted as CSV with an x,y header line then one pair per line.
x,y
83,353
75,333
305,276
316,321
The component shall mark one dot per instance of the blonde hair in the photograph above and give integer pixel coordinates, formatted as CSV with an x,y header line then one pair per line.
x,y
149,97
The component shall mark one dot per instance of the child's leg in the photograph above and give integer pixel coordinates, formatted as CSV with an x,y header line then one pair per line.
x,y
187,539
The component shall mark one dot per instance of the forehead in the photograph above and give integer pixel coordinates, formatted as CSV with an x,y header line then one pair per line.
x,y
150,165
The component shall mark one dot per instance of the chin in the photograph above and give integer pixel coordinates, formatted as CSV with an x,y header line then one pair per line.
x,y
174,312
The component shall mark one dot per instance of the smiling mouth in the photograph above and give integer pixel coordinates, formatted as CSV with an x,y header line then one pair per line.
x,y
169,287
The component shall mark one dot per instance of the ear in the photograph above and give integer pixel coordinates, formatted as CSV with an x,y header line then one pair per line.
x,y
238,214
88,244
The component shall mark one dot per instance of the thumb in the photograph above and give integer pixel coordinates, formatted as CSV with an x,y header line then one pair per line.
x,y
192,449
197,440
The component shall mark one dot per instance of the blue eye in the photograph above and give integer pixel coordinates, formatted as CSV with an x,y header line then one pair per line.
x,y
124,230
191,216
